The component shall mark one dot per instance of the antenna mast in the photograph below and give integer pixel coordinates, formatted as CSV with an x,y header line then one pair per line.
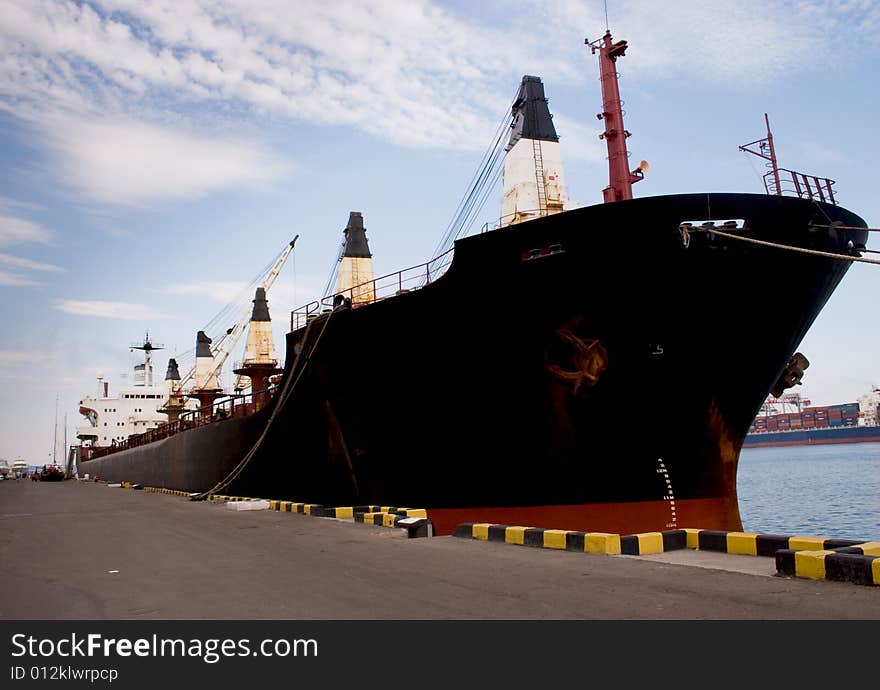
x,y
147,348
55,436
805,186
621,179
766,151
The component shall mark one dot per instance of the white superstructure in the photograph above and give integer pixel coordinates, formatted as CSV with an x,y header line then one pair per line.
x,y
133,410
868,408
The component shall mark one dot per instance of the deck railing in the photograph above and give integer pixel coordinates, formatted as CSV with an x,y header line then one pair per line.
x,y
391,285
804,186
229,407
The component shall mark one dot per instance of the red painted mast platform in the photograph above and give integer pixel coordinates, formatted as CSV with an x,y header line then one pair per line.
x,y
620,177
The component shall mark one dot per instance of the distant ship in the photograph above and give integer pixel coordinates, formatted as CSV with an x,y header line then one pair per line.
x,y
805,425
134,409
494,383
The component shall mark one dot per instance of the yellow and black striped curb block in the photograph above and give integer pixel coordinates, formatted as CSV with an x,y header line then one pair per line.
x,y
378,518
415,525
868,548
414,520
225,499
573,540
825,564
301,508
172,492
353,511
653,542
753,544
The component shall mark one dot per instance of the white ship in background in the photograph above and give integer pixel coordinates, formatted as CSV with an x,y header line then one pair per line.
x,y
113,421
134,410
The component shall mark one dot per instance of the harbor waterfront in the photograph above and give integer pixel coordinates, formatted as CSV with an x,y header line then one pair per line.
x,y
830,490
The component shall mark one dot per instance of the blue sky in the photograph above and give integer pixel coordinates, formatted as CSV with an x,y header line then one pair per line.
x,y
155,155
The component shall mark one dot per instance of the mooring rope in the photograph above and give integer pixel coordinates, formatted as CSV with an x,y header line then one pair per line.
x,y
844,227
802,250
281,399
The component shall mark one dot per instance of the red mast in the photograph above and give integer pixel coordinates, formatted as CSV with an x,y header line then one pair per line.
x,y
621,178
794,182
766,151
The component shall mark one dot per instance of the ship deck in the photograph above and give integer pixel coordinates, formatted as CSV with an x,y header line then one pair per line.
x,y
82,550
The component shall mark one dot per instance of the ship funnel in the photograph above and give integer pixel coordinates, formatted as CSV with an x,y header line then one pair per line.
x,y
534,183
531,114
172,374
203,345
356,271
260,361
261,306
176,402
260,348
355,237
205,377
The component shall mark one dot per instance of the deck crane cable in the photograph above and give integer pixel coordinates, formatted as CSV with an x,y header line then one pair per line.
x,y
241,297
218,329
216,326
485,170
223,348
488,190
281,399
466,205
334,270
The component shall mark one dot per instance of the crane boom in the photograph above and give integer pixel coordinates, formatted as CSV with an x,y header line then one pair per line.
x,y
242,382
226,343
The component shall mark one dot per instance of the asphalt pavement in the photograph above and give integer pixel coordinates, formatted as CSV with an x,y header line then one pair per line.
x,y
85,551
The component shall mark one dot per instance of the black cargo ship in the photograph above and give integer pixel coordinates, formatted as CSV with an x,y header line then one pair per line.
x,y
498,391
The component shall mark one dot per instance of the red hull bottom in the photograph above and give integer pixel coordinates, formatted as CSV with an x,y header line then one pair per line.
x,y
617,518
823,442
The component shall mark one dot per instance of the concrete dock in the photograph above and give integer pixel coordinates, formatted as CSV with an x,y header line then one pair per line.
x,y
82,550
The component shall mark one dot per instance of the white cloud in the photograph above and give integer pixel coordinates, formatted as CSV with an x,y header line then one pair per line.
x,y
364,64
743,43
284,295
216,290
109,310
130,162
14,280
20,262
415,73
15,230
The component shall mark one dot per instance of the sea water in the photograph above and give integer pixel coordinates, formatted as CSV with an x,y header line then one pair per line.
x,y
830,491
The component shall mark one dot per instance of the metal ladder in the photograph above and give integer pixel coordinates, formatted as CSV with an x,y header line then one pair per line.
x,y
540,178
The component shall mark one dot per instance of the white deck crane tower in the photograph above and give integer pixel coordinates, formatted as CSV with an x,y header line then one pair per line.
x,y
226,343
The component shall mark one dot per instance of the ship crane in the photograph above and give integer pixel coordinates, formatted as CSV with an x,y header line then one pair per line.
x,y
773,404
227,342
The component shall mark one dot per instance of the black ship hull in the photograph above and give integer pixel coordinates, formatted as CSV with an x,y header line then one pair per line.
x,y
506,391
